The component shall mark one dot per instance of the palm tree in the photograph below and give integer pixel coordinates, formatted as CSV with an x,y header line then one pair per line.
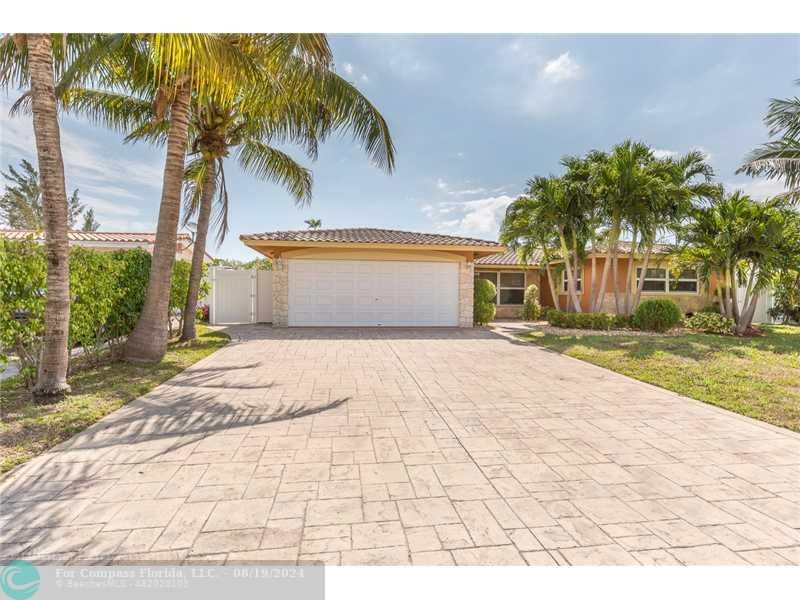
x,y
678,184
550,216
165,72
780,158
292,102
741,243
28,59
624,181
313,223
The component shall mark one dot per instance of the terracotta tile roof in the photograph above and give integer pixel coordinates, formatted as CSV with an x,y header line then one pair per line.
x,y
91,236
657,248
509,258
367,235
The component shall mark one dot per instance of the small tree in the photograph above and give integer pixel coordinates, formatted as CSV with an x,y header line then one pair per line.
x,y
531,310
483,306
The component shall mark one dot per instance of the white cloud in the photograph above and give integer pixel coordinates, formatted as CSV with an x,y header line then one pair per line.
x,y
758,189
348,68
536,83
364,78
481,217
102,177
560,69
448,188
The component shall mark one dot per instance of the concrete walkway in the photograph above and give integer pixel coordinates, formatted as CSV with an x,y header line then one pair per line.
x,y
401,446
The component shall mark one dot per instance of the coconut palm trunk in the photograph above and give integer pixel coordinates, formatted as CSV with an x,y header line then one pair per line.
x,y
148,341
199,251
54,363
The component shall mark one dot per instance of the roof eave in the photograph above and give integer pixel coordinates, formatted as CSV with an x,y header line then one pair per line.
x,y
264,246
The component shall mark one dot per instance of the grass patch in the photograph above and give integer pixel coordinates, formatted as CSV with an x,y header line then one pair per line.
x,y
28,429
758,377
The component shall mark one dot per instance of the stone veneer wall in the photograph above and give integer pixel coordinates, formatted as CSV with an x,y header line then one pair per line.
x,y
280,292
466,286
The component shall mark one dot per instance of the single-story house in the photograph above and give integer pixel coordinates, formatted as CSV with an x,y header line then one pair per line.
x,y
109,241
371,277
374,277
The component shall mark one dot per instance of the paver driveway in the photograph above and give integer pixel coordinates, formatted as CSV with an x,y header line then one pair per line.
x,y
410,446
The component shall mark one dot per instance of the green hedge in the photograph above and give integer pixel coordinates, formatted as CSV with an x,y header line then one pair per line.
x,y
600,321
659,314
483,307
107,290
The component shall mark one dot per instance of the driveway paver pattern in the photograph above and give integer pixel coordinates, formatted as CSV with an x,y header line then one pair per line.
x,y
409,446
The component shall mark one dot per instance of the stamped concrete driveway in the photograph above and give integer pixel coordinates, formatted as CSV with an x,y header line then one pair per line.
x,y
409,446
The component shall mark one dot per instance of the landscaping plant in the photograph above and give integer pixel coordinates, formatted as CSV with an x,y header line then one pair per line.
x,y
709,322
483,306
531,310
659,314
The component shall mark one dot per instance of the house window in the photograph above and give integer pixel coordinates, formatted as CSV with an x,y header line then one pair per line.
x,y
661,280
565,284
655,280
512,288
685,282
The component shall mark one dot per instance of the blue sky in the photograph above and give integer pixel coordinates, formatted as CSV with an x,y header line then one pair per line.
x,y
473,117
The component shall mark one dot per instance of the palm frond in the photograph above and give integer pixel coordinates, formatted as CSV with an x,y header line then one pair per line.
x,y
265,162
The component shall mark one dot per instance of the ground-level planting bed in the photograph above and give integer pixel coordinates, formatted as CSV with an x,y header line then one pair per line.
x,y
28,429
754,376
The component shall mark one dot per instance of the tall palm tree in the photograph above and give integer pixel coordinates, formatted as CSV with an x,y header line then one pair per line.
x,y
165,72
780,158
291,102
624,181
549,205
27,59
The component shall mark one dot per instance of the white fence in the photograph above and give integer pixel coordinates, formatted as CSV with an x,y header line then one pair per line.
x,y
763,304
240,296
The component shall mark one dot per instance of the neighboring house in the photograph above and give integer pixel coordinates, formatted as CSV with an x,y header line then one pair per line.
x,y
371,277
104,240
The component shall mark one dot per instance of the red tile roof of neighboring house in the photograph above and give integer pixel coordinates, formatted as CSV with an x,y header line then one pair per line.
x,y
367,235
510,258
91,236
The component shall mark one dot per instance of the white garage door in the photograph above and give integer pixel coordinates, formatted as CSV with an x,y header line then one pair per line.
x,y
370,293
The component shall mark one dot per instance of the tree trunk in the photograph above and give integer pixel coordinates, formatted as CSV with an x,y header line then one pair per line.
x,y
640,285
570,281
615,277
745,318
734,291
54,362
593,289
611,252
551,282
629,274
148,341
199,250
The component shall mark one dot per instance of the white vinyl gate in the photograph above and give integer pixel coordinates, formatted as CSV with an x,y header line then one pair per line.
x,y
240,296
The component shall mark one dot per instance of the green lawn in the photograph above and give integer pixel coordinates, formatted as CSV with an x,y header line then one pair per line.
x,y
758,377
28,429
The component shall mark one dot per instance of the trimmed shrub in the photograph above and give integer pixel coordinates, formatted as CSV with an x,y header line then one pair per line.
x,y
483,308
107,291
531,310
659,314
709,322
179,290
133,277
23,279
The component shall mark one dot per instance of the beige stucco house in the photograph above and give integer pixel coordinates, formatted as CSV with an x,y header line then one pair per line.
x,y
371,277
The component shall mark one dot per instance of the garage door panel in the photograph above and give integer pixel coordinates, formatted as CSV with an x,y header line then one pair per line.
x,y
372,293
